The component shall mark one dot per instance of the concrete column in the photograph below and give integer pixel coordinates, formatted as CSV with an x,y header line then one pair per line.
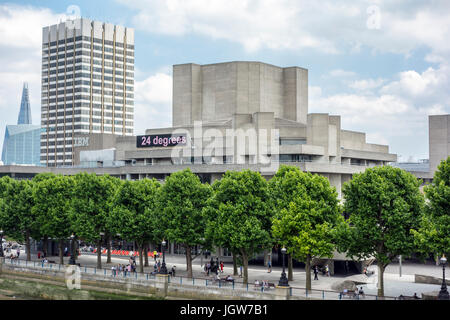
x,y
281,293
162,283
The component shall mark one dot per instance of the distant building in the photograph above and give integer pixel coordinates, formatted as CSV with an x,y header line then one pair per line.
x,y
439,149
22,141
87,85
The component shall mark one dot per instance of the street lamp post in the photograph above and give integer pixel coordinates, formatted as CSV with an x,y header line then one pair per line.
x,y
1,244
72,251
163,266
283,279
443,294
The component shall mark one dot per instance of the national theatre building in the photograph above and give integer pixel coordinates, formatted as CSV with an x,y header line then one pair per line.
x,y
230,116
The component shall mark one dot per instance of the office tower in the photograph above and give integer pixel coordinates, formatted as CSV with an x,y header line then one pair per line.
x,y
21,142
87,85
25,110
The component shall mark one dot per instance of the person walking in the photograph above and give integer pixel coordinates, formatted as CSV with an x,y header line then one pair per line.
x,y
316,272
221,266
327,271
269,266
18,252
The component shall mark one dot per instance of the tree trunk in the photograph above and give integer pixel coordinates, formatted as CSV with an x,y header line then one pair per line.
x,y
235,269
108,246
245,265
45,246
141,259
380,280
290,271
308,272
99,254
188,261
145,253
61,257
28,246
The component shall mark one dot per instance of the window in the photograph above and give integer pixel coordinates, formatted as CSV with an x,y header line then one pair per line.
x,y
294,141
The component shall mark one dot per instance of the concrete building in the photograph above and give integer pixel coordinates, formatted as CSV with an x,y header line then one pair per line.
x,y
230,116
439,149
87,85
439,139
21,142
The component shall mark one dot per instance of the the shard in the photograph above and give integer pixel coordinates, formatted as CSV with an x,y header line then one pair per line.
x,y
25,110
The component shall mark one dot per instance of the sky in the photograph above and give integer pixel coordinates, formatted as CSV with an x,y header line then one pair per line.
x,y
383,66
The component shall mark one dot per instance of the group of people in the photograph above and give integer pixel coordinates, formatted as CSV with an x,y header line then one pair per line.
x,y
355,293
122,269
213,267
325,271
264,284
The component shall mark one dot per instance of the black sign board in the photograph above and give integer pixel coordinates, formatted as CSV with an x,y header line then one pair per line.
x,y
160,140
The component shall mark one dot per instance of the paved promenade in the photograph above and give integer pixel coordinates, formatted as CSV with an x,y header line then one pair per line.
x,y
402,285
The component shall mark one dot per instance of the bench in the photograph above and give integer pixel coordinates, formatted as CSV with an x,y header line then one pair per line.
x,y
267,286
349,294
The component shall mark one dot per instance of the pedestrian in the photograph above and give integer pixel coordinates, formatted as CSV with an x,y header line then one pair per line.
x,y
39,254
269,266
240,269
316,271
125,271
113,271
159,266
173,271
18,252
155,253
327,271
221,266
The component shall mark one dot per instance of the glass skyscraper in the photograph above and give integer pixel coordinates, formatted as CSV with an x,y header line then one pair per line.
x,y
87,85
21,143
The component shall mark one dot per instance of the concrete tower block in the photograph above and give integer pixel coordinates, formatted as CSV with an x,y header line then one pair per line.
x,y
130,35
61,31
120,33
53,32
109,31
45,33
98,29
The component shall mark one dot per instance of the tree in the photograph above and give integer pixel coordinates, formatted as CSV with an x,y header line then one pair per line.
x,y
17,217
306,214
238,214
433,233
384,204
52,205
36,179
133,210
179,218
90,207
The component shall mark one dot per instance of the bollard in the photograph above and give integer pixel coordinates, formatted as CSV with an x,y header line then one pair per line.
x,y
206,282
306,291
323,295
147,276
233,285
193,281
85,269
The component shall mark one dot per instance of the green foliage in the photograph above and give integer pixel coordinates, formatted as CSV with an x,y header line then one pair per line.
x,y
238,214
384,204
133,209
91,203
181,201
52,205
306,213
433,235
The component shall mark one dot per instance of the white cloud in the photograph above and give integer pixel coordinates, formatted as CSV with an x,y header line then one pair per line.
x,y
326,26
395,113
153,99
366,84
